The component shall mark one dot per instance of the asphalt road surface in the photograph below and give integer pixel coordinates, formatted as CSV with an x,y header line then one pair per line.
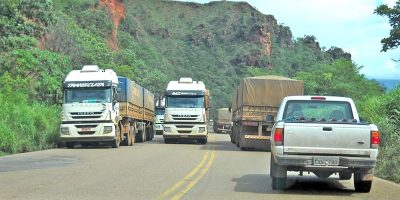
x,y
154,170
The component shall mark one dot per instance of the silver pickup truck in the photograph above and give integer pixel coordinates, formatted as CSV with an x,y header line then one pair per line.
x,y
322,135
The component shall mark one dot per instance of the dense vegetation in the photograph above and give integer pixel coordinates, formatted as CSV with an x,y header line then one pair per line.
x,y
159,41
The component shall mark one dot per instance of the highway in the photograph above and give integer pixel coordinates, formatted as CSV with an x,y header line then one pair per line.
x,y
154,170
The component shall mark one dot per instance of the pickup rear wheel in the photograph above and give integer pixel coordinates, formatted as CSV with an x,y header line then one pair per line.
x,y
360,185
278,175
345,175
278,183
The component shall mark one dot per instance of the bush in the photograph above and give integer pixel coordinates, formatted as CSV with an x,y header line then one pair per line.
x,y
384,112
27,126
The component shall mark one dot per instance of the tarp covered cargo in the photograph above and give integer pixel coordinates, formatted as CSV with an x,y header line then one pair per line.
x,y
148,99
223,114
130,92
267,90
234,99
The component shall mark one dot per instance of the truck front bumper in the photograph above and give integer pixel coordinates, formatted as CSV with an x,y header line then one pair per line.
x,y
91,132
176,131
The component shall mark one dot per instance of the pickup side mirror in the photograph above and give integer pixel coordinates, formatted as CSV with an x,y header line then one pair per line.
x,y
270,118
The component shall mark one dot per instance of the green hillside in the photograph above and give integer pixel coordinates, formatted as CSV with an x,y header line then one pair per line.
x,y
153,42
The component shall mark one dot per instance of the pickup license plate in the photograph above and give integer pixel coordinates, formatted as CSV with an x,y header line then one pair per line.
x,y
326,161
184,136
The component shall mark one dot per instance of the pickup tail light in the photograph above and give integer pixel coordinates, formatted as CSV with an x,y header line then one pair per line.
x,y
278,136
375,139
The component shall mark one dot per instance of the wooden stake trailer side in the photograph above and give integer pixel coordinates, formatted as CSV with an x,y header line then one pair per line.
x,y
136,107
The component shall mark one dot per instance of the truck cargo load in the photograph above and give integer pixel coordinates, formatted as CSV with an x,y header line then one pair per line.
x,y
131,98
149,110
254,100
223,120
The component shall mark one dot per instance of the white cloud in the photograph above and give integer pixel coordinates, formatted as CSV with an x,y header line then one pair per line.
x,y
390,3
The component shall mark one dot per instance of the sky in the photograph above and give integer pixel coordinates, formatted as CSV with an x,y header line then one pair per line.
x,y
347,24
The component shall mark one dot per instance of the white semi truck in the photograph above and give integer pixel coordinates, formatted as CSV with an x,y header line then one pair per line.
x,y
160,111
186,111
100,107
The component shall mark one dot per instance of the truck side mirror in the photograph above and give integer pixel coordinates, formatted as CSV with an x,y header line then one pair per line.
x,y
230,109
269,118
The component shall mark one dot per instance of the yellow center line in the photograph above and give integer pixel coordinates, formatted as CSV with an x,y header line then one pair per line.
x,y
186,178
194,182
208,158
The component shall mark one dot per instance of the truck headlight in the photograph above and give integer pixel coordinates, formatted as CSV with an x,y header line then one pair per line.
x,y
167,129
202,129
107,129
65,130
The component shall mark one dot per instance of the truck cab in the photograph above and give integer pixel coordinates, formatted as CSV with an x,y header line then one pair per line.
x,y
90,111
160,111
185,111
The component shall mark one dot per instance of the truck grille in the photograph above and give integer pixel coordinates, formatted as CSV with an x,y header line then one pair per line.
x,y
86,132
184,126
86,126
184,131
85,115
185,117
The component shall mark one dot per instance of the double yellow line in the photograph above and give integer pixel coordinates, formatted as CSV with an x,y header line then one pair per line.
x,y
181,187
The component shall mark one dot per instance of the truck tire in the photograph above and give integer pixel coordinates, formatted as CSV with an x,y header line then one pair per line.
x,y
141,136
345,175
167,141
360,185
117,141
203,141
278,183
69,145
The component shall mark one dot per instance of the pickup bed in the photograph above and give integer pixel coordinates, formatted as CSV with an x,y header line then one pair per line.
x,y
323,135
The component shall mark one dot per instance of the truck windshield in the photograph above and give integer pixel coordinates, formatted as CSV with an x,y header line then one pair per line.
x,y
185,101
160,111
87,95
318,110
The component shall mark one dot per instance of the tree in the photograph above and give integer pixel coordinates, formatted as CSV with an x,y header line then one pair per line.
x,y
393,41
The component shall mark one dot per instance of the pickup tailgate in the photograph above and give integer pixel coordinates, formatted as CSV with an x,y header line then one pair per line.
x,y
327,139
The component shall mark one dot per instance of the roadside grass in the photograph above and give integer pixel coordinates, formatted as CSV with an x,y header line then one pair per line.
x,y
384,111
28,126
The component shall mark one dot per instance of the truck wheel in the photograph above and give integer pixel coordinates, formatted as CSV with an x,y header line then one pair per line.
x,y
133,135
69,145
203,141
360,185
117,141
345,175
167,141
126,140
142,136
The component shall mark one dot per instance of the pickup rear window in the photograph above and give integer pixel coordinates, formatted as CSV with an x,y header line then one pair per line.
x,y
317,110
